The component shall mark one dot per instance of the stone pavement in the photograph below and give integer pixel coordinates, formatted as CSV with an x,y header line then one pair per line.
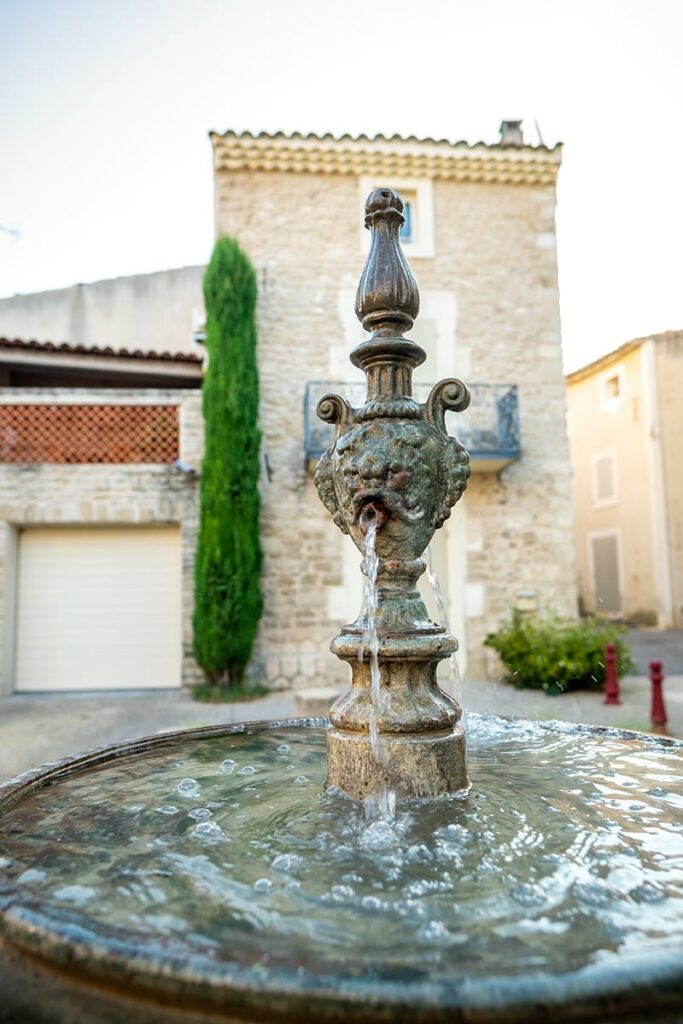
x,y
633,713
666,645
40,727
35,728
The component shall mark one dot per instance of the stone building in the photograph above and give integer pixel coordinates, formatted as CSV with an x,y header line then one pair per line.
x,y
625,425
480,237
98,516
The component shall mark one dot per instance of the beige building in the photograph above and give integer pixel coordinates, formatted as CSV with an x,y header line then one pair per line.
x,y
115,534
481,243
625,424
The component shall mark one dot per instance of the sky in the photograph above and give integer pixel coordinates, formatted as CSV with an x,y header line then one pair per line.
x,y
105,108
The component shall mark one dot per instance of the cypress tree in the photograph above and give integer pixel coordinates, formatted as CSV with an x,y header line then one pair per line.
x,y
228,561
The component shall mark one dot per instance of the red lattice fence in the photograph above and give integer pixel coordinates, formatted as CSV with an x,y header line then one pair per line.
x,y
88,433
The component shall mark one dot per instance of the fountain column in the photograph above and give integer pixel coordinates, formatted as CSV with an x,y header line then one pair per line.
x,y
393,468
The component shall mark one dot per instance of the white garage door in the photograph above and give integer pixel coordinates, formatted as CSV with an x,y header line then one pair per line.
x,y
98,608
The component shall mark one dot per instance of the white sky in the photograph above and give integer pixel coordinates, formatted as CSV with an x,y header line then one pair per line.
x,y
105,107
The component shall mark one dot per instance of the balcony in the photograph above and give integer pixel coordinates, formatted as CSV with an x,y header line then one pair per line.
x,y
489,429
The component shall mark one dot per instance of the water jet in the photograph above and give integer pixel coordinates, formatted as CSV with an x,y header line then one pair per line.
x,y
233,874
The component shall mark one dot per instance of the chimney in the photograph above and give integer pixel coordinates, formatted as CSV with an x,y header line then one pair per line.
x,y
511,133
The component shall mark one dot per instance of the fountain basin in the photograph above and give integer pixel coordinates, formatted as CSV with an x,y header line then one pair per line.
x,y
209,875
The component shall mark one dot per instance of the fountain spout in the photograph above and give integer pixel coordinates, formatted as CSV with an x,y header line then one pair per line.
x,y
393,464
372,512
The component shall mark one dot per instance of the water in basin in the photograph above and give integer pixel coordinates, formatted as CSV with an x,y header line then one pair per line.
x,y
567,852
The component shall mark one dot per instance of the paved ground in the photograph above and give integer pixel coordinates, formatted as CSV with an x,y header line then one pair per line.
x,y
42,727
632,713
665,645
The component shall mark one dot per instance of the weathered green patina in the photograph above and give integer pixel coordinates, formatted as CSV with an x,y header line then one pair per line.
x,y
393,461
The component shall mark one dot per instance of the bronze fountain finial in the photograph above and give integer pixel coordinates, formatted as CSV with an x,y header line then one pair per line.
x,y
392,462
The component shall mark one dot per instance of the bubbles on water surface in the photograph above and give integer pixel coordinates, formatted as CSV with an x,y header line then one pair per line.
x,y
310,878
31,875
79,895
432,931
288,862
200,813
208,830
188,788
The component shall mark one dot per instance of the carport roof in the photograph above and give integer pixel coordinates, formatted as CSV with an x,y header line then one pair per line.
x,y
67,348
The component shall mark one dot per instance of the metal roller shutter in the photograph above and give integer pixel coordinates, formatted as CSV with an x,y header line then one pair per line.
x,y
98,608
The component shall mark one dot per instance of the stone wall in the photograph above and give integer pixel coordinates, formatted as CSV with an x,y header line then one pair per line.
x,y
494,251
56,495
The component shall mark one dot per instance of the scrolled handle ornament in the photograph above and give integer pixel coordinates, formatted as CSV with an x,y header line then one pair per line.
x,y
334,409
449,395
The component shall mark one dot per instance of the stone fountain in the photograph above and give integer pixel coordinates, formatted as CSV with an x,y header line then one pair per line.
x,y
237,874
393,466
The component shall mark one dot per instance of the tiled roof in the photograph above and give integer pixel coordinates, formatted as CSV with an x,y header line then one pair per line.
x,y
602,362
381,156
329,137
67,348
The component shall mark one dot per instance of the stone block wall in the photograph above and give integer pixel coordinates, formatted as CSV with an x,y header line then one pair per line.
x,y
494,251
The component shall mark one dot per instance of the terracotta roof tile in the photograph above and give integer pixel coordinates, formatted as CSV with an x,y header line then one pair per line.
x,y
347,137
380,156
97,350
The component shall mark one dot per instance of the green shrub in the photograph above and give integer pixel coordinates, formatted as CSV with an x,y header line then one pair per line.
x,y
556,655
228,562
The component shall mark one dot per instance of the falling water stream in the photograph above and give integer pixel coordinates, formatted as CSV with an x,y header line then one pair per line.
x,y
382,803
454,669
370,637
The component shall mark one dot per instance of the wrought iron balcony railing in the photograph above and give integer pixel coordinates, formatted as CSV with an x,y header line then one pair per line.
x,y
489,429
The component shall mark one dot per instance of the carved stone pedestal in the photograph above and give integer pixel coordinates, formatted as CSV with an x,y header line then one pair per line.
x,y
420,764
421,747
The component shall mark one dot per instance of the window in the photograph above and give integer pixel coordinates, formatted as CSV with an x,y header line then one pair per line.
x,y
612,389
604,560
417,234
406,233
604,479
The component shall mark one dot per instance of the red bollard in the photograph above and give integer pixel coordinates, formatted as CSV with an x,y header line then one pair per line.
x,y
658,712
611,679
